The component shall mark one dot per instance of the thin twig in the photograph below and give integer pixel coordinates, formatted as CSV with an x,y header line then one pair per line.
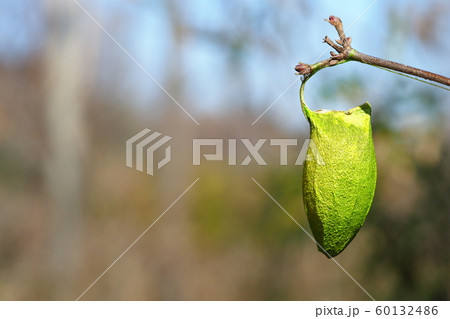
x,y
328,41
368,59
347,53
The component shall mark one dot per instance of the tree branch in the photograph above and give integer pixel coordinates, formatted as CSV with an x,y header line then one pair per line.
x,y
347,53
368,59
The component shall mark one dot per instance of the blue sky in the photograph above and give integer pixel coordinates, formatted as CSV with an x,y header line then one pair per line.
x,y
210,87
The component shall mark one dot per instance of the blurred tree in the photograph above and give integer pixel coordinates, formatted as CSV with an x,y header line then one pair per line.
x,y
65,76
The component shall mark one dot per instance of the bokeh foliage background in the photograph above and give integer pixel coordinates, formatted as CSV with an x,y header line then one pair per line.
x,y
70,98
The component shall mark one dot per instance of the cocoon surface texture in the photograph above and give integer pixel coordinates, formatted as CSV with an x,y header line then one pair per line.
x,y
339,175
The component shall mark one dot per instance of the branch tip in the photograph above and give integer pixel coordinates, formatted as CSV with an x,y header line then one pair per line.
x,y
333,20
303,69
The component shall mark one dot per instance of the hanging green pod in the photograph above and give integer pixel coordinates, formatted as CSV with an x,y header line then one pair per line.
x,y
339,176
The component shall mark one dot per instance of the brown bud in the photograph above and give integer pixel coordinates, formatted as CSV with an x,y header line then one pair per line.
x,y
303,69
332,62
334,20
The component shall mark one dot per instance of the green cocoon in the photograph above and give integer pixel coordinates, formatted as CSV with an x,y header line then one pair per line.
x,y
339,175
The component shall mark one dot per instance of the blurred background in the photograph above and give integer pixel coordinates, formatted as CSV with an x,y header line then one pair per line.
x,y
71,97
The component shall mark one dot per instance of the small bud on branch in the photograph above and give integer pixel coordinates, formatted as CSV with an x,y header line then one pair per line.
x,y
303,69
